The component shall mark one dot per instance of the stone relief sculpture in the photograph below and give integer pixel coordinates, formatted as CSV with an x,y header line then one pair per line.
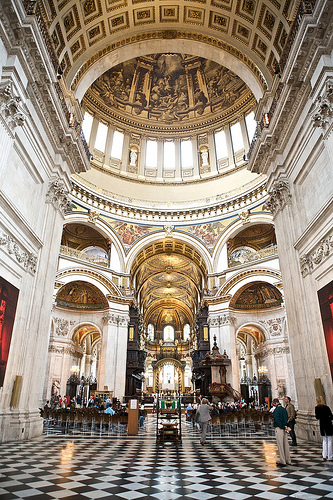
x,y
133,158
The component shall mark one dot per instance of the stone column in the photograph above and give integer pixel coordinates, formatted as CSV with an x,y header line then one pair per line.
x,y
112,366
222,325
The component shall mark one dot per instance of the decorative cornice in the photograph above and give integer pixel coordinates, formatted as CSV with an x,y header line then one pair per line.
x,y
272,351
10,106
310,260
115,319
323,115
14,249
213,208
279,197
58,196
222,320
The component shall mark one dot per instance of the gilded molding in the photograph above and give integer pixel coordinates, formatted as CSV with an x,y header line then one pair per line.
x,y
279,197
310,260
13,248
58,196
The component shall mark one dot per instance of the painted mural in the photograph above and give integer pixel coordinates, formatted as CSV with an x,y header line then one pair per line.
x,y
130,233
8,302
258,295
325,296
169,87
208,233
81,295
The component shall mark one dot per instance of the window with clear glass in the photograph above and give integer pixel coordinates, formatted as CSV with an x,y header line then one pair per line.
x,y
237,137
221,145
117,145
186,154
150,332
169,155
151,154
251,125
186,332
102,133
87,125
168,333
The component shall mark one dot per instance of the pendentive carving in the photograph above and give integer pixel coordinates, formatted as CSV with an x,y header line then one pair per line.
x,y
12,246
323,114
274,326
10,106
309,260
58,196
279,197
93,216
245,217
169,231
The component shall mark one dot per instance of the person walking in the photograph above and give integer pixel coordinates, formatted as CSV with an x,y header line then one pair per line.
x,y
203,418
291,420
324,415
280,419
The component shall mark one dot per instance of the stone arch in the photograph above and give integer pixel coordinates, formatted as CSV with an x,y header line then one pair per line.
x,y
98,279
233,284
103,228
114,54
236,227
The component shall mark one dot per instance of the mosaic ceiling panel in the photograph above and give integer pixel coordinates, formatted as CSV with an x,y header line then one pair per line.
x,y
257,295
81,295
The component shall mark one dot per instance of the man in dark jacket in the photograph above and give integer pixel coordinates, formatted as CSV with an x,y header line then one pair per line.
x,y
280,419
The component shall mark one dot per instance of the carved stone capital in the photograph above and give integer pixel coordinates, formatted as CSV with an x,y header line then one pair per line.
x,y
10,106
323,114
14,249
312,259
279,197
115,319
222,320
58,196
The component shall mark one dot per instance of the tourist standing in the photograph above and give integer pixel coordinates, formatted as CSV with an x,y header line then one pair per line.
x,y
280,419
203,418
291,419
325,417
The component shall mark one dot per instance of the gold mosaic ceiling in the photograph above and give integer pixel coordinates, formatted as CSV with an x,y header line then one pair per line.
x,y
168,281
85,31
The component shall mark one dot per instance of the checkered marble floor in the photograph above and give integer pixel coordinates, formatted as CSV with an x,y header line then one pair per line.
x,y
130,468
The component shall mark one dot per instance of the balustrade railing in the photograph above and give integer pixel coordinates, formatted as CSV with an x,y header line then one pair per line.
x,y
94,259
260,254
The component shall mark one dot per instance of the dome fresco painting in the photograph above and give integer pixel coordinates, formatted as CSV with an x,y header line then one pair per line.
x,y
169,88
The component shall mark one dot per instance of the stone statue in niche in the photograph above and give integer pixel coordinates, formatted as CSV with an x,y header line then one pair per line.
x,y
204,158
133,157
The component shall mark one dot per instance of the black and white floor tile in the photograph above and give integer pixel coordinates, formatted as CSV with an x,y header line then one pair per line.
x,y
134,468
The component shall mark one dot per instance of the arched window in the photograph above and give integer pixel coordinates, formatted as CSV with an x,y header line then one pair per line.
x,y
186,331
168,333
150,331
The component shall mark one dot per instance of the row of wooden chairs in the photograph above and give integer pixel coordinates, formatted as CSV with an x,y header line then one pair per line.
x,y
83,421
250,422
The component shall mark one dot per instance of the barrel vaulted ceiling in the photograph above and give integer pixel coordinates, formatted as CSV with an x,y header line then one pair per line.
x,y
83,32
